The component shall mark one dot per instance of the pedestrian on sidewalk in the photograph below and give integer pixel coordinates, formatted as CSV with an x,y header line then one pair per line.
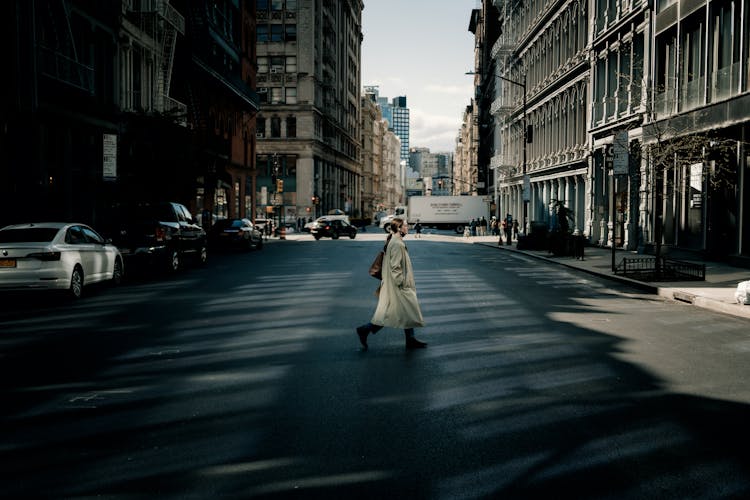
x,y
398,306
508,228
418,229
515,229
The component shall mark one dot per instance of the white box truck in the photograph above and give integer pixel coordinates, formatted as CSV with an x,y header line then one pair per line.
x,y
445,212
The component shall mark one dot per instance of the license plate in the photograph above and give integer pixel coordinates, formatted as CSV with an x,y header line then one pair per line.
x,y
7,262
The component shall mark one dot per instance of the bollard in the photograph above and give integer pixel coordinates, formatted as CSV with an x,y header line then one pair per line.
x,y
282,232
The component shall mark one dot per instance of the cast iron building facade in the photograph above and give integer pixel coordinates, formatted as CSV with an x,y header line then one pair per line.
x,y
543,48
665,83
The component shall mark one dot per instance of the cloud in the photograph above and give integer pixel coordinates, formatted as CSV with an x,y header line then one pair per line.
x,y
461,90
437,132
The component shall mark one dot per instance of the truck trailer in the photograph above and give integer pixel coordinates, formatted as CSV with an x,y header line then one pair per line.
x,y
442,212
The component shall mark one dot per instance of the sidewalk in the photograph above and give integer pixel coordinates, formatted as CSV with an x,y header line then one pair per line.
x,y
715,293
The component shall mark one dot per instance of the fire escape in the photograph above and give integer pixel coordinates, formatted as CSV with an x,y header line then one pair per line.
x,y
159,23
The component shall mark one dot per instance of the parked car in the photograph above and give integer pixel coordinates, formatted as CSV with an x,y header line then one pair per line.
x,y
56,256
332,228
236,233
161,234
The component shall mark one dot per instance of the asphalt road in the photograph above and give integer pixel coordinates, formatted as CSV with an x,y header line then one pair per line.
x,y
244,379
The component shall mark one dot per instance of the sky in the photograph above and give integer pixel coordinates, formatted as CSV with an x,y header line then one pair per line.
x,y
422,49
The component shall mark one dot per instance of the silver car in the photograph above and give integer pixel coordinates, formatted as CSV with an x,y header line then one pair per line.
x,y
56,256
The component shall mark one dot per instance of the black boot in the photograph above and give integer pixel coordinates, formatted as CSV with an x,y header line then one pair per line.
x,y
411,342
362,331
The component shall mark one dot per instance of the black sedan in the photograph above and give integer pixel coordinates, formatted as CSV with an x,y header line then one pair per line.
x,y
332,228
235,233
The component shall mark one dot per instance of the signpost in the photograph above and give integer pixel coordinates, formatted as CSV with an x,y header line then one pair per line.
x,y
620,161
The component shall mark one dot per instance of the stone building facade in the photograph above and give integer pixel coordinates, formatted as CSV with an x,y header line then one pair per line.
x,y
309,82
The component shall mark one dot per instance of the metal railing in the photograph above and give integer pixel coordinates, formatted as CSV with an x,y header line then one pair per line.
x,y
645,269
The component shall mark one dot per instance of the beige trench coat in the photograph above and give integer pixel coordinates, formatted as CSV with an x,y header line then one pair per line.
x,y
398,306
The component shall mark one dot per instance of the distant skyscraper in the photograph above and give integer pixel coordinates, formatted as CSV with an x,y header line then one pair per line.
x,y
397,115
401,125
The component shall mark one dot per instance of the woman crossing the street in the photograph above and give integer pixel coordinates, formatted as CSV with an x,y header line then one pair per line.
x,y
398,306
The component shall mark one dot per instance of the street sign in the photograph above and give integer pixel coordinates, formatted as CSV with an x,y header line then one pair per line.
x,y
620,161
109,157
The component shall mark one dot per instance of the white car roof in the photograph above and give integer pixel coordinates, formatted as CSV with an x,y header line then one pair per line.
x,y
50,225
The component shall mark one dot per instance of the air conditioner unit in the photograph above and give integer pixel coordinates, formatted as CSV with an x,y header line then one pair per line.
x,y
262,90
260,135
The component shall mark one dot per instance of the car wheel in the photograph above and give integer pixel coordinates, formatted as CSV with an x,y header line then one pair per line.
x,y
385,228
173,262
335,235
76,283
317,236
352,235
117,273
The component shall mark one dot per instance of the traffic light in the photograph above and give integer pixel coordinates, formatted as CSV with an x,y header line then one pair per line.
x,y
279,185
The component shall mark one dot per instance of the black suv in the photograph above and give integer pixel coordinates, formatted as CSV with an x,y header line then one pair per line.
x,y
158,234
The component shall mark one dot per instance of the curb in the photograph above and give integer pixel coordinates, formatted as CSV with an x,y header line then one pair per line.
x,y
668,293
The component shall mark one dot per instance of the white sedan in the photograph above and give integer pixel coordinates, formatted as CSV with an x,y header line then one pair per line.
x,y
56,256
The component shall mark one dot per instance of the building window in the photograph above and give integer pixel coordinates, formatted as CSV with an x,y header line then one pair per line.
x,y
636,92
692,70
260,127
291,126
261,4
625,79
291,64
275,127
261,33
276,32
725,50
599,90
262,65
291,95
666,65
290,33
263,94
611,83
277,4
276,97
291,166
277,64
291,4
